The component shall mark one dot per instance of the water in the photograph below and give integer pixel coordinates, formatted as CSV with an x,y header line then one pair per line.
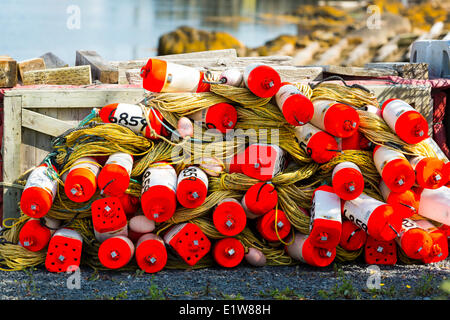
x,y
123,30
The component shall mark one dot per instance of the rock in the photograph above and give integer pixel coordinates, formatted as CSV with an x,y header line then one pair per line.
x,y
186,39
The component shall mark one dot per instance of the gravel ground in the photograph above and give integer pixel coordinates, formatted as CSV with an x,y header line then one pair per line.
x,y
301,282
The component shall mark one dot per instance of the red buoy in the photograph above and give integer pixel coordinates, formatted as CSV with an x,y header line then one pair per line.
x,y
39,192
430,172
228,252
163,76
264,161
64,251
318,144
274,225
229,217
414,241
380,252
301,249
192,187
151,253
158,195
297,109
221,116
347,180
374,217
394,169
80,183
33,236
115,252
262,80
405,121
405,203
439,248
339,120
259,199
132,117
352,237
108,218
114,177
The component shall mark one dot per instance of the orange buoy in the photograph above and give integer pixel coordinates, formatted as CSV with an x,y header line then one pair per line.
x,y
151,253
264,161
259,199
158,195
35,235
188,241
374,217
114,177
39,192
325,223
221,116
228,252
414,241
318,144
115,252
262,80
439,248
64,251
429,172
163,76
441,156
301,249
132,117
297,109
405,121
192,187
80,183
434,204
108,218
347,180
405,203
274,225
380,252
339,120
394,169
229,217
130,204
352,237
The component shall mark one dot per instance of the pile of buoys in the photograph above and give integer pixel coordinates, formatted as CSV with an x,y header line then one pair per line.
x,y
114,193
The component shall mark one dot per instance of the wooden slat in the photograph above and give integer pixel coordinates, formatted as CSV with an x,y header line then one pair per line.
x,y
8,72
43,123
80,75
405,69
101,69
359,71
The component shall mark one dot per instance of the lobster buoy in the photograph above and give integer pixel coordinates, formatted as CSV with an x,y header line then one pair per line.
x,y
339,120
39,192
188,241
439,248
318,144
394,169
185,128
262,80
192,187
380,252
80,183
434,204
229,217
138,226
405,121
352,237
414,241
228,252
301,249
115,252
64,251
264,161
221,116
405,203
108,218
274,225
232,77
429,171
347,180
374,217
132,117
212,166
163,76
234,164
35,235
158,195
255,257
440,155
151,253
114,177
325,224
297,109
130,204
259,199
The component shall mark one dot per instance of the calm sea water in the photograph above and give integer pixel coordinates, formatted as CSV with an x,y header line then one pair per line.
x,y
126,29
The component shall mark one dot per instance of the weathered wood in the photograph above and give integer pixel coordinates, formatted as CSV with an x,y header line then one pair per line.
x,y
8,72
30,65
11,146
405,69
45,124
359,71
101,69
52,61
80,75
